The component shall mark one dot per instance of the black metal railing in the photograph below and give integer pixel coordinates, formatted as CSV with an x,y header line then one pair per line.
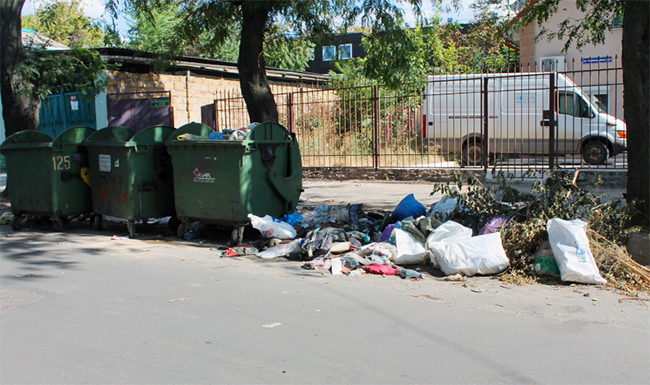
x,y
481,120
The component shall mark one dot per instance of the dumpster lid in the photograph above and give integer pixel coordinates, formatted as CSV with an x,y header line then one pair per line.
x,y
192,128
74,135
27,139
111,134
268,131
153,135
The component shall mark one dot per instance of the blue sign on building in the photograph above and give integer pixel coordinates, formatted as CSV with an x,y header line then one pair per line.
x,y
596,60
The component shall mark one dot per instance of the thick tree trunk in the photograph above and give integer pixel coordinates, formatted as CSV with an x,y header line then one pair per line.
x,y
252,69
636,78
20,111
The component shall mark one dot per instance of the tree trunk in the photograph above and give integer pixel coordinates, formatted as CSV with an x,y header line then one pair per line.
x,y
20,111
252,69
636,79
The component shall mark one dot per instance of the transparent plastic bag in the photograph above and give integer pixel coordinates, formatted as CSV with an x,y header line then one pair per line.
x,y
272,228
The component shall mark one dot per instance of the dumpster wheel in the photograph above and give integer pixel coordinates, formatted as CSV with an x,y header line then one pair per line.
x,y
97,222
130,225
237,236
182,229
57,223
17,222
174,223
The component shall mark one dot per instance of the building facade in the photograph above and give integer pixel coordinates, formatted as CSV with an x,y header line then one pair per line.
x,y
596,69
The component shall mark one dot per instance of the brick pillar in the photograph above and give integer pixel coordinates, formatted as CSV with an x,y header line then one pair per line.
x,y
527,47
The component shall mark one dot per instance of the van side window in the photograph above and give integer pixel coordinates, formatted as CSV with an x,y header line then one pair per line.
x,y
584,110
565,101
571,104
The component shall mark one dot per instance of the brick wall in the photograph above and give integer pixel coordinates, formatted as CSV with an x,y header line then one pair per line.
x,y
400,174
188,93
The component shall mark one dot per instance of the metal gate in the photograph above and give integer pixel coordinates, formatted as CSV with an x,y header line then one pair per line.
x,y
62,111
138,111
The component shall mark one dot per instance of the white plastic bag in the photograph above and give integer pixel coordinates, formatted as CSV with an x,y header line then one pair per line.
x,y
483,254
445,233
409,250
272,228
281,250
444,207
570,247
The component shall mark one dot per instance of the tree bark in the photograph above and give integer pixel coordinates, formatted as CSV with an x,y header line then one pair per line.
x,y
20,111
252,69
636,79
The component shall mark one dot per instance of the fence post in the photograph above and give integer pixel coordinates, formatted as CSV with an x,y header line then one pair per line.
x,y
290,115
551,121
216,115
486,123
375,127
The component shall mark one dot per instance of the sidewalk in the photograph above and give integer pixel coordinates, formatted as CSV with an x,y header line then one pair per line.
x,y
385,195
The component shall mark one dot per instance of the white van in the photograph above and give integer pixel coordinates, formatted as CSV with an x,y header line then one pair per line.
x,y
452,116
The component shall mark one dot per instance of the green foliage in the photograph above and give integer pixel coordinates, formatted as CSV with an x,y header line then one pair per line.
x,y
481,47
111,36
162,30
402,55
44,72
151,32
407,55
211,28
282,51
64,21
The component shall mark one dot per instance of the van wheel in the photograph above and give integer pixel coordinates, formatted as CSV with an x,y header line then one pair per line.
x,y
473,153
595,152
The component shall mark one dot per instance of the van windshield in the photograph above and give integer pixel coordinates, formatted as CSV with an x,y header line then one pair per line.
x,y
601,107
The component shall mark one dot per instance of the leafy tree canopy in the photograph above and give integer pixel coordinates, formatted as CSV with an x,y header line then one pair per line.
x,y
64,21
212,22
152,31
44,72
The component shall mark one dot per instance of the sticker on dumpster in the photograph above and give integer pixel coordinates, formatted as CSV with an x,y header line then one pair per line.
x,y
104,163
117,163
202,177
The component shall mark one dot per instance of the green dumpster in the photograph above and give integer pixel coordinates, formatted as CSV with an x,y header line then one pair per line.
x,y
222,181
47,176
130,175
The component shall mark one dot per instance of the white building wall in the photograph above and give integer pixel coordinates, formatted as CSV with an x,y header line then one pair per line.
x,y
604,82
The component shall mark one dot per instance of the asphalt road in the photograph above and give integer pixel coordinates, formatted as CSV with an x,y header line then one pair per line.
x,y
80,308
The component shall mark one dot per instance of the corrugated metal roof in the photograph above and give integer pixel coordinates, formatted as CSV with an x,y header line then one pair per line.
x,y
33,38
125,55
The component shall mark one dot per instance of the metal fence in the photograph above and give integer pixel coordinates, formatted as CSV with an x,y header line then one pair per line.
x,y
509,121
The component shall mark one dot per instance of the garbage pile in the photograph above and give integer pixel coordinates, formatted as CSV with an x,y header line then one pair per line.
x,y
464,234
225,134
557,230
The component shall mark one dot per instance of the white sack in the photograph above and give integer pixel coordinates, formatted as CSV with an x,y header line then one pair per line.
x,y
445,233
272,228
570,247
444,207
409,249
483,254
